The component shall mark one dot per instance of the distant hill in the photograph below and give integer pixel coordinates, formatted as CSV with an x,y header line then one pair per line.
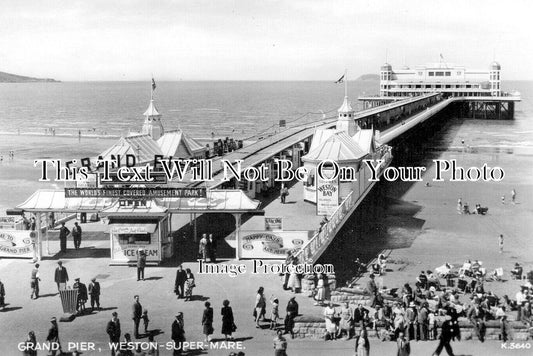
x,y
13,78
369,77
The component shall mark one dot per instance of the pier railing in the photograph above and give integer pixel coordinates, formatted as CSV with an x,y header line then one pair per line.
x,y
323,237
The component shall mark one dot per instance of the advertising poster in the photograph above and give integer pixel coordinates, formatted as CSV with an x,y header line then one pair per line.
x,y
206,133
272,244
327,194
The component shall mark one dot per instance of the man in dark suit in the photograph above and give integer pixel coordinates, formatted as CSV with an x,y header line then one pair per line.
x,y
450,331
82,295
137,313
179,285
94,292
113,330
372,289
61,276
76,235
53,338
178,334
358,315
63,233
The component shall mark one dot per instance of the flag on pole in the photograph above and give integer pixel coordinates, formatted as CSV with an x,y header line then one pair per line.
x,y
153,84
340,80
441,56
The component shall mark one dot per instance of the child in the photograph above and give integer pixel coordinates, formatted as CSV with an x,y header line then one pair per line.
x,y
274,314
145,321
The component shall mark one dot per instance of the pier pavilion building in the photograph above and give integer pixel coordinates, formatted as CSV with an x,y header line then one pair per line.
x,y
447,78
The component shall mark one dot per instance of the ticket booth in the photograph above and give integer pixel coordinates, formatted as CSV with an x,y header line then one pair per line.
x,y
138,225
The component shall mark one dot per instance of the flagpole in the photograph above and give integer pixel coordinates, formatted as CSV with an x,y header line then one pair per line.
x,y
346,82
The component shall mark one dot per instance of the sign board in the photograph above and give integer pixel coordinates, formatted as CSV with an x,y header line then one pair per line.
x,y
273,223
16,243
127,252
271,245
327,195
8,222
135,193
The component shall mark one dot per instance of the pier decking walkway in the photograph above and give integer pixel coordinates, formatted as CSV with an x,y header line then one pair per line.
x,y
265,149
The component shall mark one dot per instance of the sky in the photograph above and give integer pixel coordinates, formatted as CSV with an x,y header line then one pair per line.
x,y
100,40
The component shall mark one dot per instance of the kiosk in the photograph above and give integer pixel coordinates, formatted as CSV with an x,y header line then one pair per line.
x,y
136,225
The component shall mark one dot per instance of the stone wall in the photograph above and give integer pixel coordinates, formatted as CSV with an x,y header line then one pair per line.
x,y
314,327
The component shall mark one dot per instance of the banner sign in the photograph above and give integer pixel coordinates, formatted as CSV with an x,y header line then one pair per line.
x,y
327,195
271,245
273,223
135,193
16,243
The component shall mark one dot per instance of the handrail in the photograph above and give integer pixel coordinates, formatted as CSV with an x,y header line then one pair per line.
x,y
330,229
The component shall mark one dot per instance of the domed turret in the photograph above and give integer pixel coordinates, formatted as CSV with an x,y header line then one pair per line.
x,y
386,67
495,66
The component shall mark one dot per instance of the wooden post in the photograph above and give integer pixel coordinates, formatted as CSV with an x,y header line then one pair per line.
x,y
237,235
39,244
47,219
195,232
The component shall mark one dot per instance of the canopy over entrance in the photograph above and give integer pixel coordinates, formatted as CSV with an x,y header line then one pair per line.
x,y
217,201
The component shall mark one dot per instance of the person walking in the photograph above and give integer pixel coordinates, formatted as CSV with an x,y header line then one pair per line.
x,y
63,233
372,289
2,295
202,248
212,249
53,338
228,323
179,285
94,293
178,334
500,243
35,282
362,345
76,235
30,345
292,312
61,276
207,322
513,196
280,344
113,330
449,332
189,284
141,264
404,348
283,194
260,306
137,312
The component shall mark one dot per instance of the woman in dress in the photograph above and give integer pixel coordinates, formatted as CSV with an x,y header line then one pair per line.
x,y
189,284
260,306
294,280
274,313
227,320
362,346
30,345
321,291
346,321
207,321
331,325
